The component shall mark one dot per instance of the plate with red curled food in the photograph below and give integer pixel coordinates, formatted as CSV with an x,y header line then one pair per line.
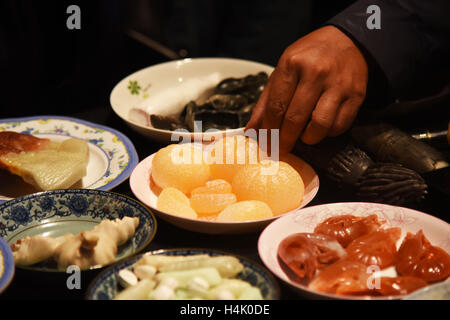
x,y
356,250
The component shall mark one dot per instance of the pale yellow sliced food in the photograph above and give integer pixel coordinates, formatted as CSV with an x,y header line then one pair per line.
x,y
58,166
213,186
159,261
173,201
211,203
140,291
245,211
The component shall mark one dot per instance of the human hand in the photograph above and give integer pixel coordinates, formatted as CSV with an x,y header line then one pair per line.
x,y
315,91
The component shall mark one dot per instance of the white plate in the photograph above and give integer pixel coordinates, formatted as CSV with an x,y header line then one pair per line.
x,y
170,75
147,192
305,220
112,156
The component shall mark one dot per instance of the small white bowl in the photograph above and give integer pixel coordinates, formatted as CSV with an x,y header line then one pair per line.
x,y
170,75
306,219
147,192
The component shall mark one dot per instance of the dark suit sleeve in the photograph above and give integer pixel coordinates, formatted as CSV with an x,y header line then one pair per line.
x,y
412,45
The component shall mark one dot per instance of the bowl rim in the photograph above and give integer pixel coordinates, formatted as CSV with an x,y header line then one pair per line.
x,y
8,274
174,62
90,191
319,295
261,267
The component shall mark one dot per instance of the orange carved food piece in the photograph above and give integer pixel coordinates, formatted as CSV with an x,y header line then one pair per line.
x,y
306,253
375,248
399,285
211,203
419,258
343,277
346,228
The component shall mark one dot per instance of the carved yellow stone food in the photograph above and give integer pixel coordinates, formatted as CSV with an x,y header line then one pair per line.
x,y
230,154
273,182
173,201
180,166
245,211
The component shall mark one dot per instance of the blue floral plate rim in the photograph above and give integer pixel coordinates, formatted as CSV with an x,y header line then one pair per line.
x,y
102,276
129,146
117,196
8,268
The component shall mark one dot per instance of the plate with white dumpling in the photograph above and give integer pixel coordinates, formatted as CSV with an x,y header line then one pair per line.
x,y
42,153
53,230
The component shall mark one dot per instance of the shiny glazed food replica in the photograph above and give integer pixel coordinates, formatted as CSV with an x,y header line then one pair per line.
x,y
238,187
380,163
45,164
352,255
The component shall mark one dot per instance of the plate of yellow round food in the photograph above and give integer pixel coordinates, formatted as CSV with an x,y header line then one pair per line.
x,y
229,186
44,153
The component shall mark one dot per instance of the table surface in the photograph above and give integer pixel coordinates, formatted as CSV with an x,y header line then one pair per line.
x,y
42,286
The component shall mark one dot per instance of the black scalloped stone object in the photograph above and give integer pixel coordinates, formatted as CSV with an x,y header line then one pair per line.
x,y
391,183
348,165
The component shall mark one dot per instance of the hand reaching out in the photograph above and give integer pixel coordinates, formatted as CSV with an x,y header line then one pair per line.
x,y
315,91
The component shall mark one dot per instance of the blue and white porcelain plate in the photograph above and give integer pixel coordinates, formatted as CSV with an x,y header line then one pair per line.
x,y
111,160
56,213
106,286
6,265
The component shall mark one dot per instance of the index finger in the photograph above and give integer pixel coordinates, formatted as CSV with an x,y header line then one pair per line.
x,y
282,88
258,110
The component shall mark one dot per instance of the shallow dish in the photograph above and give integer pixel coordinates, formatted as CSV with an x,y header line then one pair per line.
x,y
305,220
55,213
7,267
105,285
135,88
147,192
112,156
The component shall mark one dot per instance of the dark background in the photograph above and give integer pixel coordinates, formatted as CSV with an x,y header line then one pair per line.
x,y
48,69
